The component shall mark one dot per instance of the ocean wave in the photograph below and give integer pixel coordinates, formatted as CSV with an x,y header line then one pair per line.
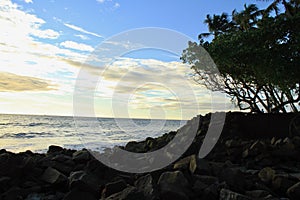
x,y
26,135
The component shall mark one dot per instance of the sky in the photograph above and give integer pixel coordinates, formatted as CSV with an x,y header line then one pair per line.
x,y
89,57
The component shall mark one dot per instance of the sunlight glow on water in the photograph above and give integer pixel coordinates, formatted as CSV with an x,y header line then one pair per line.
x,y
36,133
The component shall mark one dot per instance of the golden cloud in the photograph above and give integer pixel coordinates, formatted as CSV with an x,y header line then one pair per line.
x,y
10,82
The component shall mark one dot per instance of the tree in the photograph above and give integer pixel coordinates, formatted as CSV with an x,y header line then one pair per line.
x,y
257,55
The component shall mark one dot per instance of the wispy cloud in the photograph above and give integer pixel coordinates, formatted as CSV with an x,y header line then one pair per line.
x,y
79,29
15,83
77,46
117,5
28,1
83,37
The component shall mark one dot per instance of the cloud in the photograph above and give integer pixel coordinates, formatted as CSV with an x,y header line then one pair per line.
x,y
79,29
101,1
15,83
83,37
21,25
46,34
77,46
28,1
117,5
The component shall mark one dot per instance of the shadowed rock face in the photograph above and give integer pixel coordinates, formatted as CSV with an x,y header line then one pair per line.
x,y
256,157
262,125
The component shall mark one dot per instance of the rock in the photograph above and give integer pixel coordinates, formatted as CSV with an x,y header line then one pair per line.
x,y
114,187
199,166
281,183
4,183
256,148
232,143
129,193
230,195
266,174
234,178
256,194
199,187
14,193
85,182
294,192
81,156
173,185
76,194
54,149
137,147
54,177
145,185
208,180
184,163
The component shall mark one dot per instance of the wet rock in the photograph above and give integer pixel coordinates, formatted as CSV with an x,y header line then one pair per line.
x,y
266,174
294,191
230,195
113,187
173,185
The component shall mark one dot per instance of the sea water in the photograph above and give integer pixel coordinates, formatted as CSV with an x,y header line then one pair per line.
x,y
36,133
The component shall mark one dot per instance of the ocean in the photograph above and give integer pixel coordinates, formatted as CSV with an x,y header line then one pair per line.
x,y
19,133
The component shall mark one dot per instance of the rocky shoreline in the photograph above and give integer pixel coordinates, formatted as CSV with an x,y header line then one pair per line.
x,y
257,157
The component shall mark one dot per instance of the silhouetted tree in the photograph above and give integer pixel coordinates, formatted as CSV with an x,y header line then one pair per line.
x,y
257,55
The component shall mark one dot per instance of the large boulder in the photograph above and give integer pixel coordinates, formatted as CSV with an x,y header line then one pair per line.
x,y
55,178
173,185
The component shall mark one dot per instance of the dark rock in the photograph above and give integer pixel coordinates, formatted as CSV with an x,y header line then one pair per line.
x,y
54,177
294,191
266,174
230,195
211,192
234,178
173,185
256,194
184,163
81,156
54,149
281,183
76,194
199,166
114,187
137,147
4,183
206,179
14,193
129,193
85,182
145,185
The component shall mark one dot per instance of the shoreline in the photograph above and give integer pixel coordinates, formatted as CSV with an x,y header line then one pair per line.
x,y
240,166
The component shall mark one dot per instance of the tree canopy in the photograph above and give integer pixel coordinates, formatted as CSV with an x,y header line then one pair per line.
x,y
257,55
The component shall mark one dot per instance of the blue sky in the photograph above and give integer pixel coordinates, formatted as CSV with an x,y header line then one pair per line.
x,y
45,43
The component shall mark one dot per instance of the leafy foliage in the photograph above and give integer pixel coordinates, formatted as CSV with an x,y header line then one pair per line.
x,y
257,55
